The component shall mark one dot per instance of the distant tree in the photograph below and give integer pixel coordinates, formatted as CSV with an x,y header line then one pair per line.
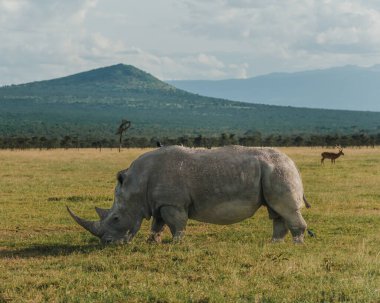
x,y
185,141
34,142
21,142
345,140
232,139
223,140
257,138
278,141
153,142
66,142
298,141
43,141
372,141
124,125
75,141
270,140
198,140
377,139
331,140
316,140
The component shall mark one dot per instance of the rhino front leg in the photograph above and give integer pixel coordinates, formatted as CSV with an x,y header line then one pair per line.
x,y
280,228
156,230
176,219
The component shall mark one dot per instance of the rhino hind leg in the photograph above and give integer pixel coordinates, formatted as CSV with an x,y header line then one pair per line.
x,y
157,228
286,218
296,224
176,219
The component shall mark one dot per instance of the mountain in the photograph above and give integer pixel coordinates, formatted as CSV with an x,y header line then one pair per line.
x,y
348,87
92,104
114,82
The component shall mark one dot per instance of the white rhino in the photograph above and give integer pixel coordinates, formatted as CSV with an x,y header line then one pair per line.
x,y
221,186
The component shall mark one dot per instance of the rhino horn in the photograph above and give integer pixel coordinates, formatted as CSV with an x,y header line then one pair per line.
x,y
92,226
102,212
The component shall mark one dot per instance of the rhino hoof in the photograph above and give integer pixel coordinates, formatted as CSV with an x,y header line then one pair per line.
x,y
298,239
154,238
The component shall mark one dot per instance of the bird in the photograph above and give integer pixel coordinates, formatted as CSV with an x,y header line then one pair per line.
x,y
311,233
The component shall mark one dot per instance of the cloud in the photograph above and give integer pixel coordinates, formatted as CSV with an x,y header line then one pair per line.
x,y
50,39
283,29
183,66
41,36
186,39
209,61
11,6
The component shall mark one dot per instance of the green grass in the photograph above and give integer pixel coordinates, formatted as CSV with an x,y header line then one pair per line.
x,y
46,257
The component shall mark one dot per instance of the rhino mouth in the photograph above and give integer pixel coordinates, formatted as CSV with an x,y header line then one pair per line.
x,y
108,240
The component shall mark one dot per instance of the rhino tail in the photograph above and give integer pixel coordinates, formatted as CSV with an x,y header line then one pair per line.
x,y
307,204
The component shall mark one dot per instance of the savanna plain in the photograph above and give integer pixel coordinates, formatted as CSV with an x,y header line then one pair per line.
x,y
46,257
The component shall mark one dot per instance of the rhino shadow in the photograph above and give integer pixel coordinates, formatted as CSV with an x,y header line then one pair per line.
x,y
49,250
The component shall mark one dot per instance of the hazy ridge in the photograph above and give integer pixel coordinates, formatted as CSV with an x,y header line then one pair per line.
x,y
347,87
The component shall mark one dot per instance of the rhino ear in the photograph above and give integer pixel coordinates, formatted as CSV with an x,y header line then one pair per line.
x,y
120,176
102,212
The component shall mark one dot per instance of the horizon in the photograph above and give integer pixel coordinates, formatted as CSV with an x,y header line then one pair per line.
x,y
170,80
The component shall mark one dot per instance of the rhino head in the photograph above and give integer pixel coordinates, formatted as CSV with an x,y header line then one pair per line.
x,y
118,224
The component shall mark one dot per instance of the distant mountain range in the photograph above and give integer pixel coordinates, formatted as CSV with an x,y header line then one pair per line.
x,y
349,87
92,104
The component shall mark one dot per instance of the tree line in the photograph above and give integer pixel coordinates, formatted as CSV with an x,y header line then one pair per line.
x,y
250,139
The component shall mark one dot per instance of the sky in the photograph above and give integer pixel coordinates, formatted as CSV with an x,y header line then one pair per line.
x,y
185,39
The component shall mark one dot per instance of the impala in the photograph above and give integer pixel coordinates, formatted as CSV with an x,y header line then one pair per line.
x,y
332,156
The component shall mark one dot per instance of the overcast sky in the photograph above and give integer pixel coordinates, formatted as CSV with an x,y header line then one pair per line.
x,y
185,39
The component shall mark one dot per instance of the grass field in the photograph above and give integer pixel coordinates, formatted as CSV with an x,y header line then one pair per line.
x,y
46,257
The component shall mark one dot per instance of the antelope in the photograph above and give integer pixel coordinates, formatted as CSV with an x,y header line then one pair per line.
x,y
332,156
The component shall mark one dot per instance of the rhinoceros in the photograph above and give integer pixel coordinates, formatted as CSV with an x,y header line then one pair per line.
x,y
220,186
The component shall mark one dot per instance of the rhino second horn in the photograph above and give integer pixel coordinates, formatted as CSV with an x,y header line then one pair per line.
x,y
92,226
102,212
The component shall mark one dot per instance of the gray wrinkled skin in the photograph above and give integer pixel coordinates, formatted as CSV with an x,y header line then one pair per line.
x,y
221,186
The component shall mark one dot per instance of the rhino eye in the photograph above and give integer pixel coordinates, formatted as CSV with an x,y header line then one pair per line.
x,y
115,219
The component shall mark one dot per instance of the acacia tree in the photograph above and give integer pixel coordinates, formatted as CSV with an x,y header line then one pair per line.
x,y
124,125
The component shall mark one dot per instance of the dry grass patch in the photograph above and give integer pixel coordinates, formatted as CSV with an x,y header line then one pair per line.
x,y
45,257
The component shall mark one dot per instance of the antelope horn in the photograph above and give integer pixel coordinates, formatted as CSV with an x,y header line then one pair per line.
x,y
102,212
92,226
